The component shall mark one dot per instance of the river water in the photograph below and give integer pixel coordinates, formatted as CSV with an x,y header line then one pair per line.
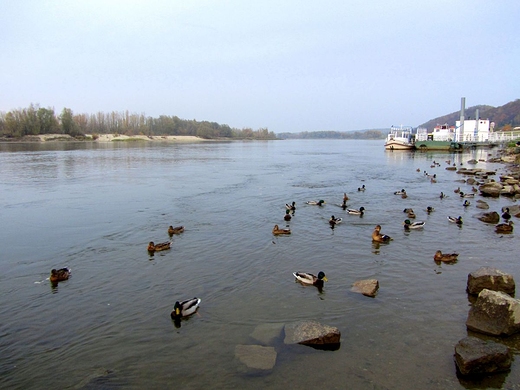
x,y
94,208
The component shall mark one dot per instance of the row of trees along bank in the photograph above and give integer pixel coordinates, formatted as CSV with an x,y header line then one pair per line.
x,y
36,120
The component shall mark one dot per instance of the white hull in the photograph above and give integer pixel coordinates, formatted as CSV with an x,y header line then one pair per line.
x,y
398,145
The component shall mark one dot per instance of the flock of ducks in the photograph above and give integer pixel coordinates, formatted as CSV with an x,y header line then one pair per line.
x,y
180,310
188,307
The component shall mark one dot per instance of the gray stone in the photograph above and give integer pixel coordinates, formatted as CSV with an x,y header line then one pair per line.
x,y
474,356
492,217
491,279
267,333
256,356
491,189
494,313
482,205
311,333
366,287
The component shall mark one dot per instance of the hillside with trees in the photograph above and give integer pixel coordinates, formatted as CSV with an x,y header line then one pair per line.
x,y
506,117
35,120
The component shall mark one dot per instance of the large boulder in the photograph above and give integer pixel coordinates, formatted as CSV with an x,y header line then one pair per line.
x,y
256,356
367,287
491,189
311,333
494,313
492,279
491,217
474,356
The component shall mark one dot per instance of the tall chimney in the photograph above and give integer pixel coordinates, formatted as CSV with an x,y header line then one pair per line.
x,y
462,114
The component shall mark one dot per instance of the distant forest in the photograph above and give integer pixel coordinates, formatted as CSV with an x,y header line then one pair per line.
x,y
36,120
506,117
361,134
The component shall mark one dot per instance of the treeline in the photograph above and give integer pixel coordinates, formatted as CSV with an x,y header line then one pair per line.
x,y
36,120
362,134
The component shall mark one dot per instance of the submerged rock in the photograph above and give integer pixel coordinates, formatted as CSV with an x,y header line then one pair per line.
x,y
491,217
267,333
366,287
311,333
256,356
494,313
474,356
482,205
492,279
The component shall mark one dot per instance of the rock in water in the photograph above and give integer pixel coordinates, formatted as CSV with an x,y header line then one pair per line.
x,y
492,279
476,356
311,333
494,313
366,287
256,356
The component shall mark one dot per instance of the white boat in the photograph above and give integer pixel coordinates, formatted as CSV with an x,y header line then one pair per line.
x,y
400,138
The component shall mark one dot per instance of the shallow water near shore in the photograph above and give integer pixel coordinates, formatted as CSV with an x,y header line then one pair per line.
x,y
95,207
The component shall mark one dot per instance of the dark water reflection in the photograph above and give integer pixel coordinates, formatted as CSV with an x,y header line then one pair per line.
x,y
95,207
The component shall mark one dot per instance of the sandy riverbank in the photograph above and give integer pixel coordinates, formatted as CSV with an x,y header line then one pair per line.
x,y
107,138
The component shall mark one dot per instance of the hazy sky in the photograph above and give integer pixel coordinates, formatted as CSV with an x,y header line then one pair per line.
x,y
286,65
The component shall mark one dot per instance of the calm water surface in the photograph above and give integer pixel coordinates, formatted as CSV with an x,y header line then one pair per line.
x,y
94,208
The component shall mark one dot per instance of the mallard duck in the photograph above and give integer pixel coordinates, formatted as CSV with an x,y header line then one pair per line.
x,y
411,214
466,203
464,195
307,278
277,231
504,227
442,196
361,211
287,216
362,188
184,308
408,210
158,247
413,225
457,190
345,197
418,169
316,202
446,257
291,206
58,275
506,214
334,221
429,209
400,192
175,230
378,237
404,195
456,220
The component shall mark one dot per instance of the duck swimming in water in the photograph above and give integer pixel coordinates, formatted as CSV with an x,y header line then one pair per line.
x,y
58,275
175,230
362,188
445,257
429,209
506,214
277,231
152,247
504,227
333,221
316,202
378,237
361,211
310,279
291,207
413,225
466,203
184,309
400,192
458,220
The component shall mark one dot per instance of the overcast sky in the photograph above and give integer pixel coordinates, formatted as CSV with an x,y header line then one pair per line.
x,y
288,65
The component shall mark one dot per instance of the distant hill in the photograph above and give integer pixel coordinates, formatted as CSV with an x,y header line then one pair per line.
x,y
360,134
505,117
